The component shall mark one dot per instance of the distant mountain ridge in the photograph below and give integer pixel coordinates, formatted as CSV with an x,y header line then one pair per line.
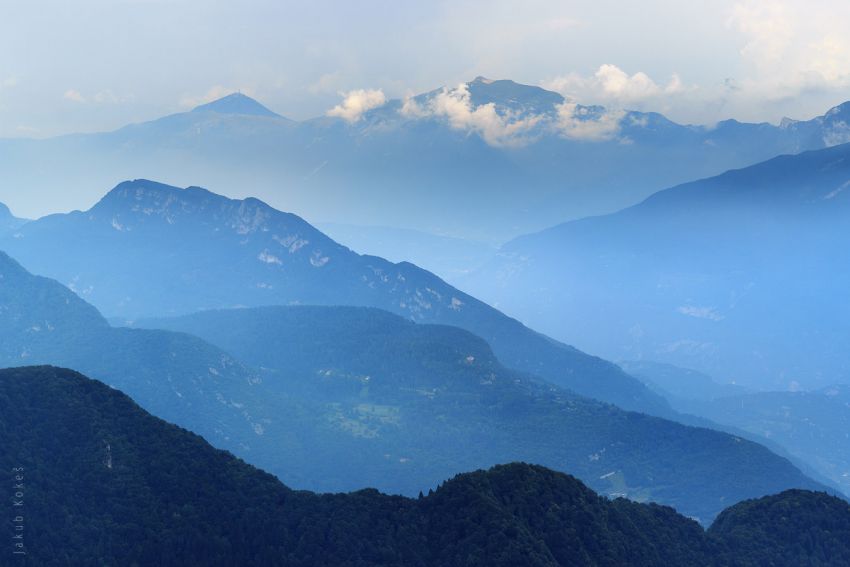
x,y
812,426
92,463
148,249
742,276
236,103
485,160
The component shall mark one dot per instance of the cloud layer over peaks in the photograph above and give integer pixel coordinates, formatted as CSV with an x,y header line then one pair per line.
x,y
612,85
503,127
496,128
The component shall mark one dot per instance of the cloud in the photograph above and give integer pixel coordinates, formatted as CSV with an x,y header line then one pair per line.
x,y
74,96
505,128
356,103
455,105
327,83
9,82
410,108
109,97
791,48
102,97
582,123
611,85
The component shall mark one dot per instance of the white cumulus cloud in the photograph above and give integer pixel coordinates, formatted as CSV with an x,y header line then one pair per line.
x,y
74,96
579,123
455,105
612,85
790,48
357,102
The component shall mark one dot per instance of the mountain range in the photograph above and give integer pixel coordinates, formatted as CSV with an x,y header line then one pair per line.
x,y
148,249
485,160
742,276
179,377
404,405
102,481
404,394
812,426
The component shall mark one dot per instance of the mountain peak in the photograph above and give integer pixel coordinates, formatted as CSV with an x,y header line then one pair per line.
x,y
149,197
8,221
236,103
140,202
5,213
842,109
509,94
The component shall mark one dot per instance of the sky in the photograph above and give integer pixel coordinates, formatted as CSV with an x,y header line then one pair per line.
x,y
94,65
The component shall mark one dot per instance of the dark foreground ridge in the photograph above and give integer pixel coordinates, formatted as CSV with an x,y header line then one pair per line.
x,y
105,483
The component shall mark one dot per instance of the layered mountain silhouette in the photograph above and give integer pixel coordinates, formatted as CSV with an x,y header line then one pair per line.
x,y
813,426
148,249
179,377
403,405
102,481
742,276
487,160
405,393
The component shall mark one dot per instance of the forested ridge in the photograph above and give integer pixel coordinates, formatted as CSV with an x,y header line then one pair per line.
x,y
105,483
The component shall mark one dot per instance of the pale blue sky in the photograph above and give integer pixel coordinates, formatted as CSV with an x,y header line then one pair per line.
x,y
91,65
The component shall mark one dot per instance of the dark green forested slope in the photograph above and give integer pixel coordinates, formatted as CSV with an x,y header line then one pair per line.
x,y
105,483
796,527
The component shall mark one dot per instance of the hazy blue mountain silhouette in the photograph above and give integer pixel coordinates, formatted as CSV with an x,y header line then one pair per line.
x,y
416,170
743,276
177,376
810,426
149,249
236,103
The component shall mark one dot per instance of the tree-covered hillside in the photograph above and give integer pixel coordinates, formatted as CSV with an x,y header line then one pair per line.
x,y
101,482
